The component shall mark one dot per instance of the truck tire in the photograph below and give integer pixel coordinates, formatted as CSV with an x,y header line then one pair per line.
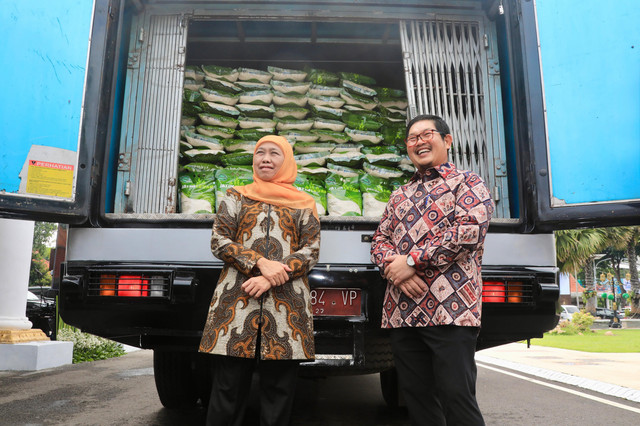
x,y
389,387
175,380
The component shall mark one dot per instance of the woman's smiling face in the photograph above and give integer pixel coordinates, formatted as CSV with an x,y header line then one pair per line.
x,y
267,160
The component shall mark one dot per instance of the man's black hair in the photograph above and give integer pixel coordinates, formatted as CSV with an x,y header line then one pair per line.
x,y
441,126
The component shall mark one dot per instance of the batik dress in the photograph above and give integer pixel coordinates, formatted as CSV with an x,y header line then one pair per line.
x,y
244,231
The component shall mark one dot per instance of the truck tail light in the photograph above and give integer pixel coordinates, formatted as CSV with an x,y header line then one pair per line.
x,y
506,292
124,285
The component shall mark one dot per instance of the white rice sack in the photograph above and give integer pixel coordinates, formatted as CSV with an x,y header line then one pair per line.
x,y
258,97
292,100
215,131
196,139
291,113
326,124
346,172
327,101
294,136
319,90
381,171
251,75
343,196
364,136
219,97
223,73
193,205
256,123
191,84
371,206
308,147
312,159
285,74
304,125
288,87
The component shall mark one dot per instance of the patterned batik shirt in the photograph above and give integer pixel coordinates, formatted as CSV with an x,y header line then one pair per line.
x,y
440,218
245,230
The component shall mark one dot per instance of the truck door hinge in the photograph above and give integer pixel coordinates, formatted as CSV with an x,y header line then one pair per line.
x,y
141,35
124,162
133,61
500,167
485,39
496,193
127,188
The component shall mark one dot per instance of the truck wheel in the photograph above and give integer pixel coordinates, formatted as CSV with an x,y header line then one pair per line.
x,y
175,381
389,386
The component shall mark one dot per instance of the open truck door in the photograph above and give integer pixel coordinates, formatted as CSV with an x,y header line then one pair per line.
x,y
579,109
53,136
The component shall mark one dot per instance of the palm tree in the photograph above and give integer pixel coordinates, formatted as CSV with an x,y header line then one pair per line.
x,y
575,249
631,242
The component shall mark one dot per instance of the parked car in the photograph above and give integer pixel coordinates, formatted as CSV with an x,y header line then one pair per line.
x,y
606,313
41,311
567,312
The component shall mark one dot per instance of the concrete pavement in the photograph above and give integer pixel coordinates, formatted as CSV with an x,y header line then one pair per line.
x,y
614,374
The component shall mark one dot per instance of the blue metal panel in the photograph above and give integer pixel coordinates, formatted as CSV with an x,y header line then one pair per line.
x,y
590,52
43,59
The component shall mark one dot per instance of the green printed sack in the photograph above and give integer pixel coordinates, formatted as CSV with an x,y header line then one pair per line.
x,y
343,196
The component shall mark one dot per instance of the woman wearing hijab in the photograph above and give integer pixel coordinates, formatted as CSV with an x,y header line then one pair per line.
x,y
268,235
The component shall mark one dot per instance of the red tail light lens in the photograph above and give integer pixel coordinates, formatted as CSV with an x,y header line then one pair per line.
x,y
125,285
494,292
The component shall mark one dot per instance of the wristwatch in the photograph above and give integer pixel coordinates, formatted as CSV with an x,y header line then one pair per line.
x,y
410,261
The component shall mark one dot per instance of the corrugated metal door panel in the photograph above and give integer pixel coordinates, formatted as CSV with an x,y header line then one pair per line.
x,y
447,74
152,116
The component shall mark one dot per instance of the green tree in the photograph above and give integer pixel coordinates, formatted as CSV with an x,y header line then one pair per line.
x,y
39,273
631,243
575,249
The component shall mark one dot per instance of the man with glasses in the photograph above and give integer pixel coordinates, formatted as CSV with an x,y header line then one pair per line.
x,y
429,247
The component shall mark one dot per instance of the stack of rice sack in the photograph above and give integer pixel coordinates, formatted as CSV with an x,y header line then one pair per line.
x,y
347,134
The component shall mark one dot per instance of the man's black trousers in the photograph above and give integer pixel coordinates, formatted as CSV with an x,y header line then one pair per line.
x,y
437,374
232,384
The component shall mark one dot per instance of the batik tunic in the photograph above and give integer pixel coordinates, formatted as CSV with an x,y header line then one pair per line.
x,y
244,231
440,218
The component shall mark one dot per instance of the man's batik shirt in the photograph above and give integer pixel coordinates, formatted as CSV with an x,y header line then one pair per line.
x,y
440,218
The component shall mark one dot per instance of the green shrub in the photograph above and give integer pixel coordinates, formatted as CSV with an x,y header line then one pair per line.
x,y
87,347
580,323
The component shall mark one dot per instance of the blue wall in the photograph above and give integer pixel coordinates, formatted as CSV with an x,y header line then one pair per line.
x,y
591,71
43,57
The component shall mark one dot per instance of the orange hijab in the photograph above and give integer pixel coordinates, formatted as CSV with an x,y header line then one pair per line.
x,y
279,190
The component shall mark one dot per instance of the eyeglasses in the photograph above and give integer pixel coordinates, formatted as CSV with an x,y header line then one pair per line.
x,y
425,136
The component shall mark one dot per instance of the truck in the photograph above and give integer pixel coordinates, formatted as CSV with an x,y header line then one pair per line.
x,y
522,84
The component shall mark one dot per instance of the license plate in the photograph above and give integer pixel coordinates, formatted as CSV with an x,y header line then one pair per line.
x,y
336,302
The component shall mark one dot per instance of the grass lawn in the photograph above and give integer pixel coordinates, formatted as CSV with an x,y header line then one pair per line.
x,y
597,341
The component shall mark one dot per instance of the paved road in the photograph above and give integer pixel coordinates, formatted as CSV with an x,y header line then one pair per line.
x,y
122,391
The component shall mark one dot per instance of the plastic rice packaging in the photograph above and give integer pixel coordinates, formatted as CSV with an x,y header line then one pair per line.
x,y
318,76
362,121
307,147
359,101
363,136
220,109
314,186
193,96
326,124
289,87
203,155
325,135
234,145
220,97
218,120
191,84
375,195
358,78
221,85
327,112
290,113
194,72
358,89
251,75
343,195
251,134
304,125
382,171
343,171
311,159
222,73
284,74
260,111
258,97
250,86
347,159
265,124
327,101
319,90
198,140
295,136
240,158
289,100
197,192
215,131
229,177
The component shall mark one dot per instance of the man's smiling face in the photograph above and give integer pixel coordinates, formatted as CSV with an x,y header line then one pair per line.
x,y
430,148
